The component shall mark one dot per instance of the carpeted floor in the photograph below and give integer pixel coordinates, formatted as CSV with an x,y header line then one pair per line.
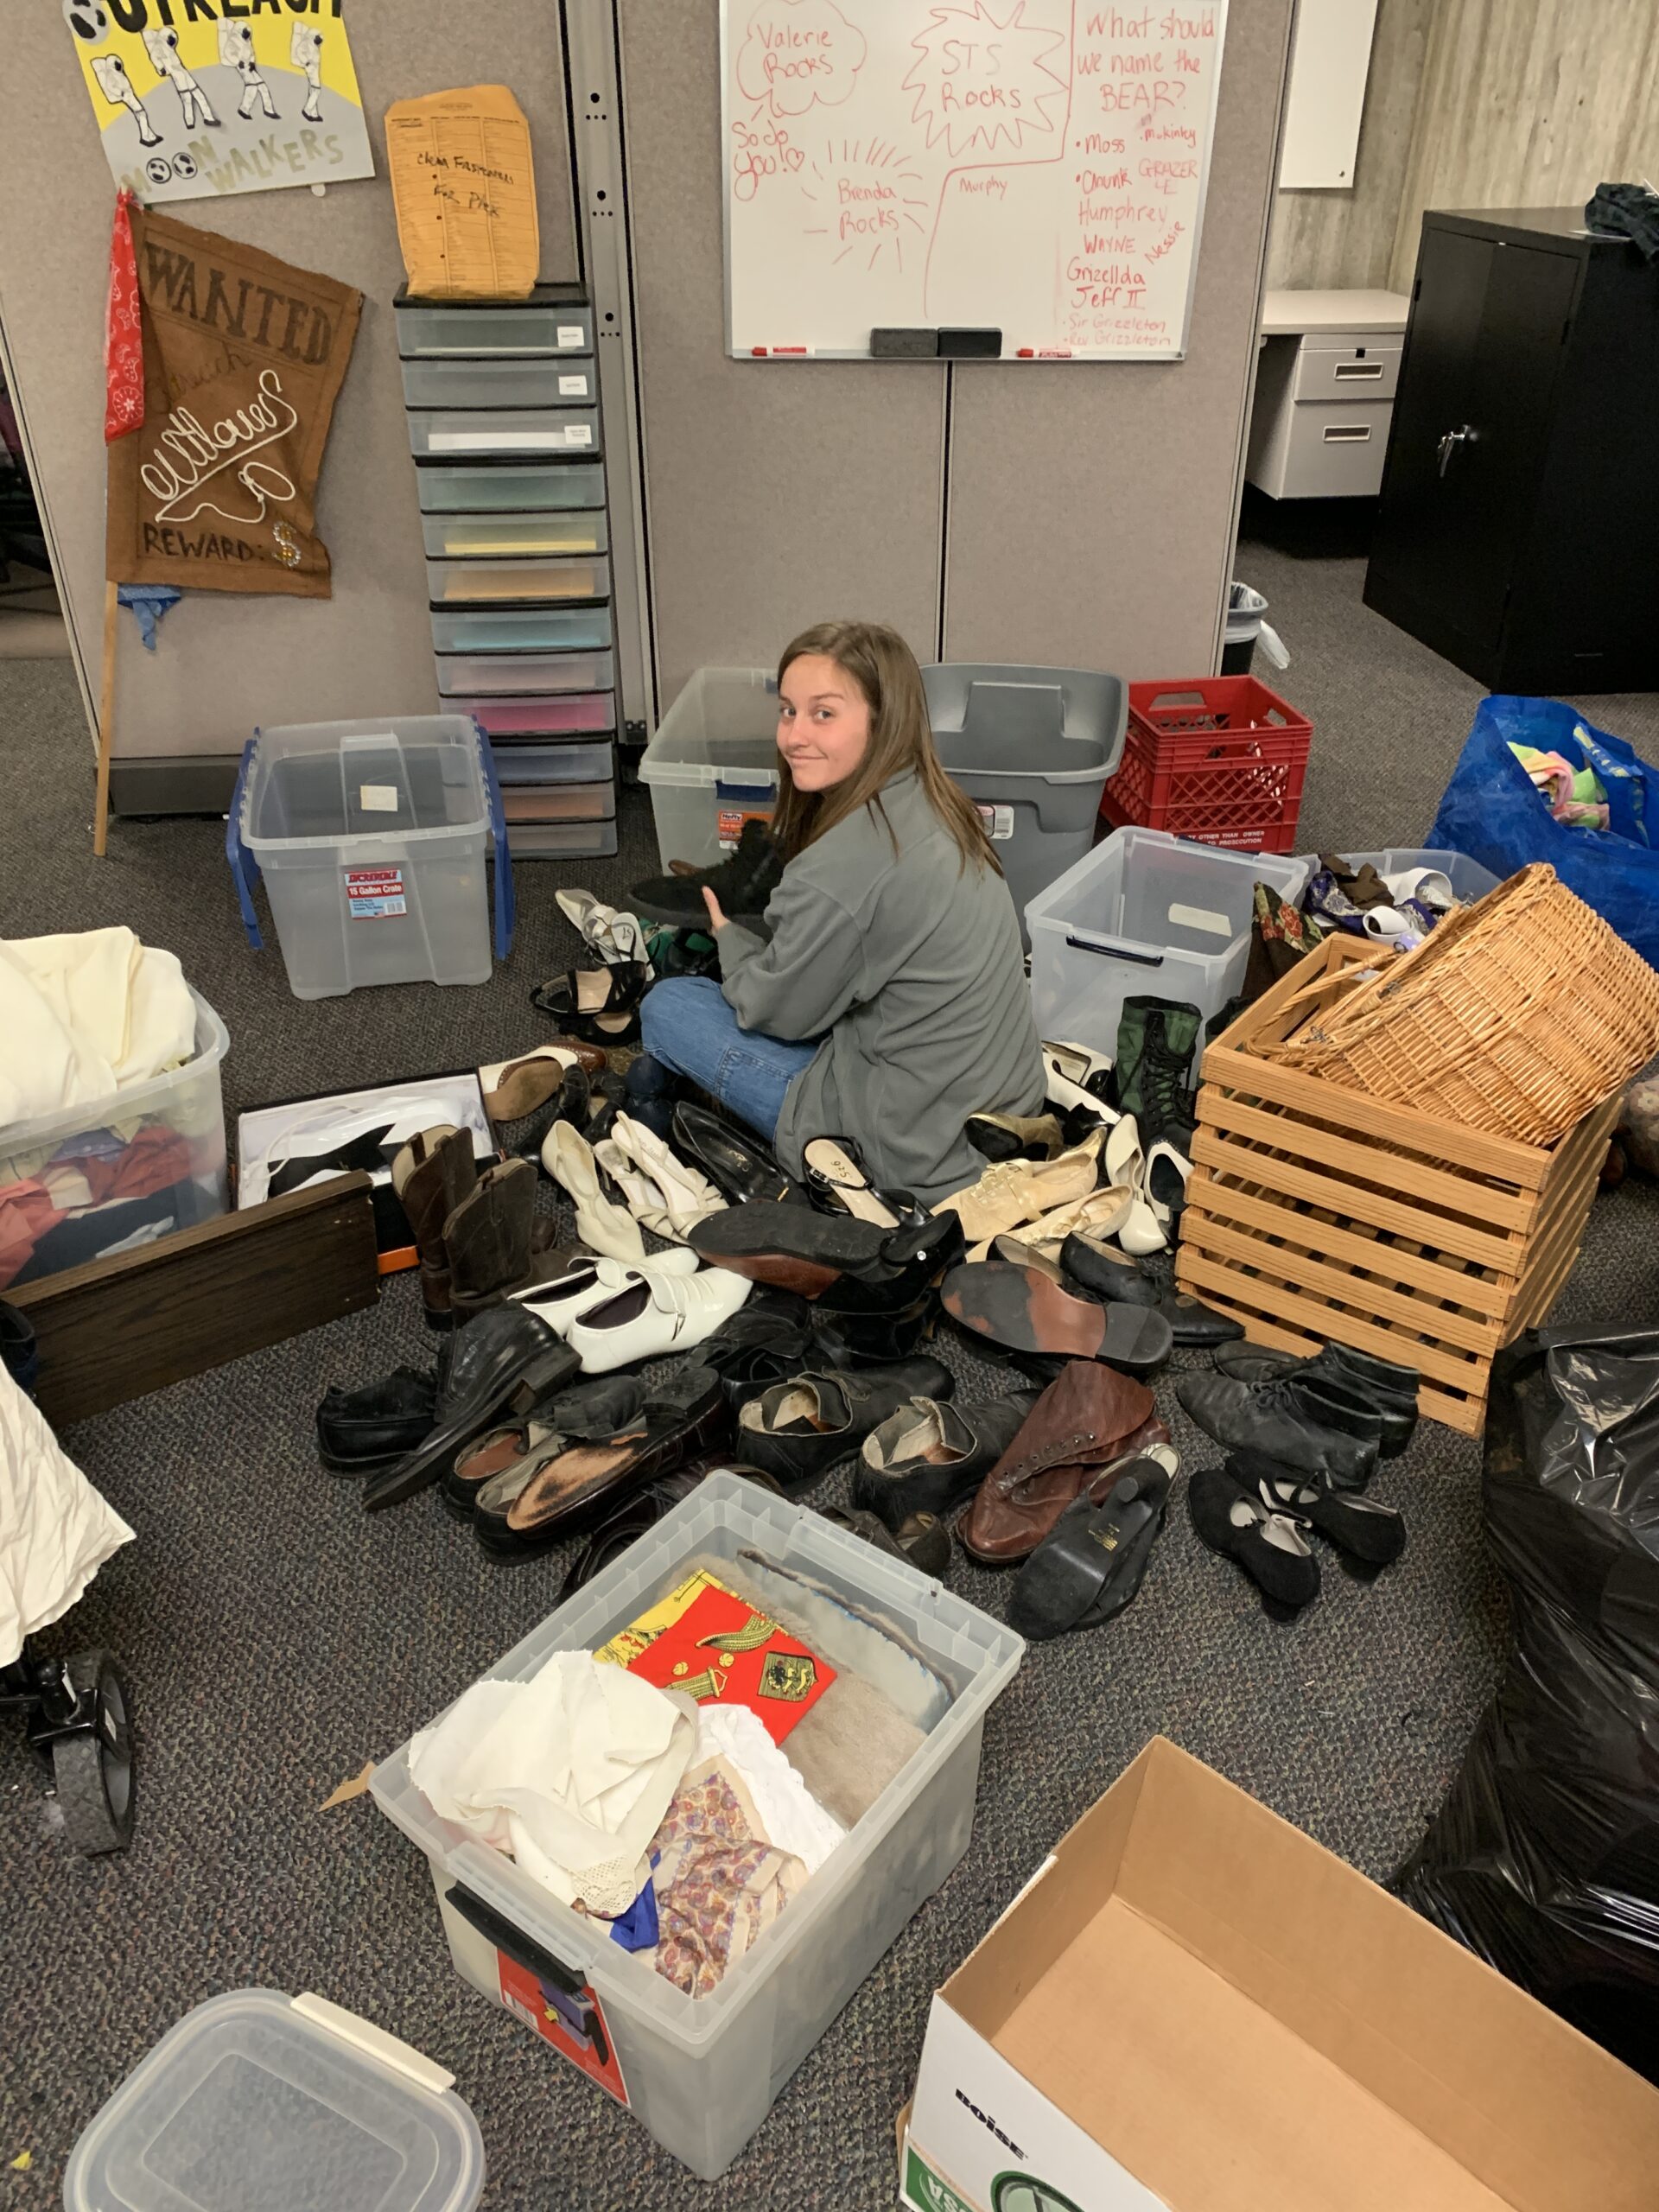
x,y
275,1638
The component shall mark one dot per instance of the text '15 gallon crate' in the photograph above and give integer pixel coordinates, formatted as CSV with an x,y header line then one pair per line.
x,y
371,838
1218,759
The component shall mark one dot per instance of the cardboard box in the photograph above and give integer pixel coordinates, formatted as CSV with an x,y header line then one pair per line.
x,y
1194,2007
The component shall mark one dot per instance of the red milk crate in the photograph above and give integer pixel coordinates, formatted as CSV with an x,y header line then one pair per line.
x,y
1218,759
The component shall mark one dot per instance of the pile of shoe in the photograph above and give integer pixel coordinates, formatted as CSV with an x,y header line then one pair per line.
x,y
478,1235
568,1080
868,1261
1304,1437
1068,1228
1111,1155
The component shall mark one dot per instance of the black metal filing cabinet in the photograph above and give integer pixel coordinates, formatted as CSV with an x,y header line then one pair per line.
x,y
1519,529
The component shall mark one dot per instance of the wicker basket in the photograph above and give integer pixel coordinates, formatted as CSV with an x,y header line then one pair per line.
x,y
1519,1015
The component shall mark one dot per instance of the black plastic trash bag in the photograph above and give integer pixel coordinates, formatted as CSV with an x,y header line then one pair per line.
x,y
1544,1860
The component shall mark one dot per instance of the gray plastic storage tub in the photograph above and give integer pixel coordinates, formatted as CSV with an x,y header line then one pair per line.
x,y
1033,748
702,2073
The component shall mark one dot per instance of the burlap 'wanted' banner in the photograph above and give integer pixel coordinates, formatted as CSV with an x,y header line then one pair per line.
x,y
243,359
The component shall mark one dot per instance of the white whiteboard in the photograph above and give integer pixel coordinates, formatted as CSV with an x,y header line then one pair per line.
x,y
1329,64
1034,166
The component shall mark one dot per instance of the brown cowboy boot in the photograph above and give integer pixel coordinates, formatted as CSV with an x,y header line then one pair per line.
x,y
488,1238
432,1176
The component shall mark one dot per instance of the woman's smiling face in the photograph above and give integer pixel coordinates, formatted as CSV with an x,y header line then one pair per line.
x,y
823,723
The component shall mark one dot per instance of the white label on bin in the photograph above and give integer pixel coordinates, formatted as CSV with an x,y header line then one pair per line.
x,y
572,387
579,434
372,893
999,822
571,333
1200,918
492,441
377,798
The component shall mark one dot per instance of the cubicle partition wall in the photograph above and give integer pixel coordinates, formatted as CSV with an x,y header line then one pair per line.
x,y
226,661
1052,511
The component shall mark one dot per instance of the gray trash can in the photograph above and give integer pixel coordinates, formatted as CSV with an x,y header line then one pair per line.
x,y
1033,748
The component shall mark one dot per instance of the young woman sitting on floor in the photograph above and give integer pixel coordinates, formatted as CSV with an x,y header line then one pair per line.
x,y
891,1000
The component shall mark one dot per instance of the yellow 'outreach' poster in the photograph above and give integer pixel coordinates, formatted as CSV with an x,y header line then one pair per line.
x,y
196,99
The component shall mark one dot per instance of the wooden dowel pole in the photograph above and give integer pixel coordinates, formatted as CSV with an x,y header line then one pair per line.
x,y
105,720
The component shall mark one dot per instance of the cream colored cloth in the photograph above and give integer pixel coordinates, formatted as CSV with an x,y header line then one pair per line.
x,y
571,1772
792,1820
85,1016
55,1530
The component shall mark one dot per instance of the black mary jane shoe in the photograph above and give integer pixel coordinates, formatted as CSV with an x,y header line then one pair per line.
x,y
599,1005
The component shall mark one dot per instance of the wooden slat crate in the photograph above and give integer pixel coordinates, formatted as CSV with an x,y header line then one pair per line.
x,y
1315,1214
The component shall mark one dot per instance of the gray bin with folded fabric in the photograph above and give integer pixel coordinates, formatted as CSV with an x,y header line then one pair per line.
x,y
1033,748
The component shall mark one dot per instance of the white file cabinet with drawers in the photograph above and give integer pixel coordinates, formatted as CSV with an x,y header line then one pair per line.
x,y
1324,393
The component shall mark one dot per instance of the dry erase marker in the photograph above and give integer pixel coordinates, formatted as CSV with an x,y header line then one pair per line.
x,y
761,352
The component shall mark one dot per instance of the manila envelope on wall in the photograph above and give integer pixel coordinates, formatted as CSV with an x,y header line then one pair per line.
x,y
243,360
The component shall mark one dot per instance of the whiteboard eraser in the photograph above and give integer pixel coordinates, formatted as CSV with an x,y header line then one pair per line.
x,y
970,344
904,344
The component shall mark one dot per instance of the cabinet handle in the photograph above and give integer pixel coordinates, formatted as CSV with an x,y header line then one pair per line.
x,y
1450,442
1357,371
1347,433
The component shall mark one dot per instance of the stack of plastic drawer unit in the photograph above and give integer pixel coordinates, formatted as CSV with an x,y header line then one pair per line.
x,y
503,401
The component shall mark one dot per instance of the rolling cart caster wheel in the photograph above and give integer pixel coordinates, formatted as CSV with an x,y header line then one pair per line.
x,y
92,1767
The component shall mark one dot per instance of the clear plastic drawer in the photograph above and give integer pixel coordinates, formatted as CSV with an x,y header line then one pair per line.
x,y
506,583
509,488
481,537
437,432
522,630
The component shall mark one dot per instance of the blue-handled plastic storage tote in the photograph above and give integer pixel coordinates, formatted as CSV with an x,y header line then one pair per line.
x,y
372,838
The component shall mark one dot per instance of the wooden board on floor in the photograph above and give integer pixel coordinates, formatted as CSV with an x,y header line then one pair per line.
x,y
115,1328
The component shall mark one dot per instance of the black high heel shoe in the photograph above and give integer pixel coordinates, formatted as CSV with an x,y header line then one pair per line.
x,y
600,1005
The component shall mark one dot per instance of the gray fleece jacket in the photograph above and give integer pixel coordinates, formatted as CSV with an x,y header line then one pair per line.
x,y
908,965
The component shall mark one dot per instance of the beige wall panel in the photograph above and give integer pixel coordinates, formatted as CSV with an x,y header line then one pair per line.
x,y
225,662
1530,103
778,493
1092,506
1332,241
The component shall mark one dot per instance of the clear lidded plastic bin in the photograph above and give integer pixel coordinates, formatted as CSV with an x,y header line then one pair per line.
x,y
186,1102
713,763
1144,915
371,838
700,2074
268,2103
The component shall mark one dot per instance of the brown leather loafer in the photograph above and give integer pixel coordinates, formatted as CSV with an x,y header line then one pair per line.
x,y
1084,1421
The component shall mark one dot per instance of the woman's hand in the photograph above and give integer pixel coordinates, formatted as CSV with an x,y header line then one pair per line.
x,y
716,918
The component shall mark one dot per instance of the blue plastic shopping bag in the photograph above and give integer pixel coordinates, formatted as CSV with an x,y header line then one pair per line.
x,y
1491,811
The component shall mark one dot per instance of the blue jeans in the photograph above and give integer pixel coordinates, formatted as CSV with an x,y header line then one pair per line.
x,y
686,1025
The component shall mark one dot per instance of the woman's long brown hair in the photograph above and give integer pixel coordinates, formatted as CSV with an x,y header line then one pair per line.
x,y
884,668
